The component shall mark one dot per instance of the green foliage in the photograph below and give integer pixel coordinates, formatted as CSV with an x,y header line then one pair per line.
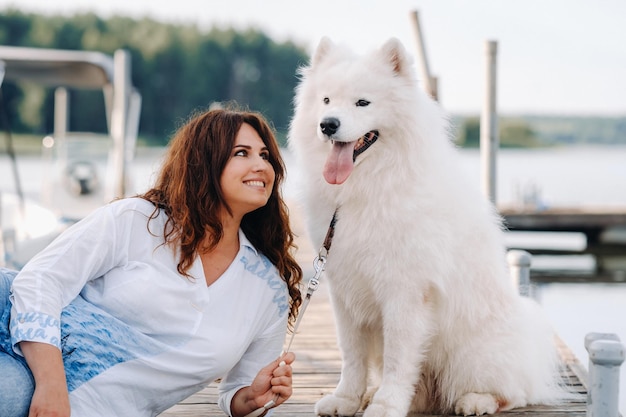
x,y
468,132
533,131
176,68
512,132
579,130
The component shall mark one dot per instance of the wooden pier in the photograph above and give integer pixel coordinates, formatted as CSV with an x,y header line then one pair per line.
x,y
318,364
604,229
591,221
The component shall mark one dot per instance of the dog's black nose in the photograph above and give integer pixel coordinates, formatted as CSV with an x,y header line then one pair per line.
x,y
330,125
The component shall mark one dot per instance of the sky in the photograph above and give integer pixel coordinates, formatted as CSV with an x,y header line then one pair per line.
x,y
558,57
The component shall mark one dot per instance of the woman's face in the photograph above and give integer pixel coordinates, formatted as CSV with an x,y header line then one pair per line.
x,y
248,177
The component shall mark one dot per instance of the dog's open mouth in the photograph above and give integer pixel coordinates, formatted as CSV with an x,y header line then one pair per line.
x,y
364,142
340,161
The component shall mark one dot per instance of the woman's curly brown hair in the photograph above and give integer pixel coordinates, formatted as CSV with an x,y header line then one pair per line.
x,y
188,190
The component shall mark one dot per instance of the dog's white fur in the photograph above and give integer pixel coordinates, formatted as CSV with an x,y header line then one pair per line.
x,y
417,269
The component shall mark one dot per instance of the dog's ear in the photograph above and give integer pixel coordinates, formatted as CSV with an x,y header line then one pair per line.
x,y
322,49
395,54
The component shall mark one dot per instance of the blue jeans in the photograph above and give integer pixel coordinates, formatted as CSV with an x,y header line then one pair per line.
x,y
16,381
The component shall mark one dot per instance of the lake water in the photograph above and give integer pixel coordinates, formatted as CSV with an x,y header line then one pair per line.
x,y
568,176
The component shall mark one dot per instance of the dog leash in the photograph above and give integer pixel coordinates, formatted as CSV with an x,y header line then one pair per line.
x,y
319,263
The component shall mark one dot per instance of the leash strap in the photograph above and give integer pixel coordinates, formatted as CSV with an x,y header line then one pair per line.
x,y
318,264
330,233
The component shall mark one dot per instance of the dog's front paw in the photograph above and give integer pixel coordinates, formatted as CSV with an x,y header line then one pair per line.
x,y
476,404
332,405
379,410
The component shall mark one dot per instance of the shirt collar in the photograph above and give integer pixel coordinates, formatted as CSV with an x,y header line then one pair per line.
x,y
243,241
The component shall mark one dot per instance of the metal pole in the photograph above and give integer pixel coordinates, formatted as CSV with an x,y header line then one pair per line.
x,y
119,114
429,84
606,354
2,250
489,141
61,112
519,266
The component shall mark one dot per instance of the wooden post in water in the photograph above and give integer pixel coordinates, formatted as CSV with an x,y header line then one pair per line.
x,y
489,140
430,82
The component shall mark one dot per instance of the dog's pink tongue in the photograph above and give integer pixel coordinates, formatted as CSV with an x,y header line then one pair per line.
x,y
339,163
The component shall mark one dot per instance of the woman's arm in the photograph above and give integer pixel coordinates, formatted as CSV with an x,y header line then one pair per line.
x,y
271,383
51,397
57,274
40,291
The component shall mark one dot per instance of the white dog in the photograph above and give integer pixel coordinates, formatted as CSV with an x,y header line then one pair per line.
x,y
417,270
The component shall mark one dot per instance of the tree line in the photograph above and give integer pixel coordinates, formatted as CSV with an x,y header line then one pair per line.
x,y
538,131
177,69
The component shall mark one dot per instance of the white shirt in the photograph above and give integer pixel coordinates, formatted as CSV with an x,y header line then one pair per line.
x,y
137,337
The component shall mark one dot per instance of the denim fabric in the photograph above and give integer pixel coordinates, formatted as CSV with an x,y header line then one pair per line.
x,y
16,381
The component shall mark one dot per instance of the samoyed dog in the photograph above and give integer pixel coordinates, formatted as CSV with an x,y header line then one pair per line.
x,y
427,318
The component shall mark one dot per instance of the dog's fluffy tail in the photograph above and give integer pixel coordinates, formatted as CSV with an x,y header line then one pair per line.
x,y
547,383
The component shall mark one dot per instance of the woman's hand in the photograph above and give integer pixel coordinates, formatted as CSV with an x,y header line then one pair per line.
x,y
272,383
51,398
274,380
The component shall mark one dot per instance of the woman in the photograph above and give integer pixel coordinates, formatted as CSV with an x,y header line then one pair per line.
x,y
148,299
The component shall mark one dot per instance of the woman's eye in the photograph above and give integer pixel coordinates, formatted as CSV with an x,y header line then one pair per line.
x,y
265,156
241,152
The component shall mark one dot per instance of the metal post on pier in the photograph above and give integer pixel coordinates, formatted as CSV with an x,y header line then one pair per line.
x,y
61,112
119,113
489,140
606,354
519,266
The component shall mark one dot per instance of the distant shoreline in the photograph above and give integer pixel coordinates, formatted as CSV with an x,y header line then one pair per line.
x,y
519,131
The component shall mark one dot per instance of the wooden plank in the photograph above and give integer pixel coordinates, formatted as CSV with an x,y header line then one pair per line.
x,y
564,219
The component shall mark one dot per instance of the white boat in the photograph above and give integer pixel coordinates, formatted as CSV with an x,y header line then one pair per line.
x,y
82,170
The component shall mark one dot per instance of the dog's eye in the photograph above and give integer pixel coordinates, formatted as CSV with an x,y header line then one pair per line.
x,y
362,103
326,100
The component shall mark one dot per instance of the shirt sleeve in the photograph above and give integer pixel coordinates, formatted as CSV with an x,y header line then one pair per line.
x,y
56,275
259,354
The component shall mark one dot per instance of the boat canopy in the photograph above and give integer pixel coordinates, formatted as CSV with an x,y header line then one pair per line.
x,y
56,67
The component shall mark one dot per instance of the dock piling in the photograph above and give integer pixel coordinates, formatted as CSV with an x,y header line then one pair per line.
x,y
519,266
429,81
489,138
606,354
